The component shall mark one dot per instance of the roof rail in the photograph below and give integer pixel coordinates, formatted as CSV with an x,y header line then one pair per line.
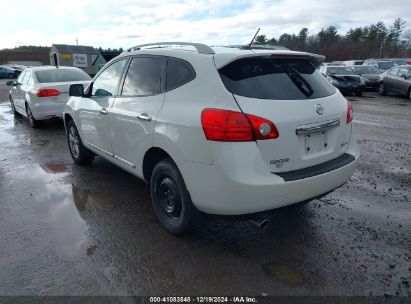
x,y
201,48
259,47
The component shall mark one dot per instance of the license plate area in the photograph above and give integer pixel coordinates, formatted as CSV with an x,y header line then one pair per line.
x,y
315,142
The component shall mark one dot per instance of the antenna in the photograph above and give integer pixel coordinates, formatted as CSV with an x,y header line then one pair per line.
x,y
252,40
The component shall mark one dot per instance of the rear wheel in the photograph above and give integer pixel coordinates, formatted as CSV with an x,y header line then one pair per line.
x,y
80,154
409,93
381,89
359,93
32,121
171,201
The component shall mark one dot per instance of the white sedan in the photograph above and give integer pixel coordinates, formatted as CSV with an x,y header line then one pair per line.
x,y
41,92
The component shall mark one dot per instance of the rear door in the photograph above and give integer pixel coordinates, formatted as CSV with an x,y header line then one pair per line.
x,y
133,115
298,100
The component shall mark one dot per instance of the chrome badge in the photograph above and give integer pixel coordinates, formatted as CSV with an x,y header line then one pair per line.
x,y
319,109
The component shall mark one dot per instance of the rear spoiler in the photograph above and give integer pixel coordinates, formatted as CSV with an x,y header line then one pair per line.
x,y
222,60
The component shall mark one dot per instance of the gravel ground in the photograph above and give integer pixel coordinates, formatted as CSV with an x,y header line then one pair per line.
x,y
70,230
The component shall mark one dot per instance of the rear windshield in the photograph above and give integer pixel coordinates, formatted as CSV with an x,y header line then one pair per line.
x,y
61,75
385,64
340,71
367,69
272,78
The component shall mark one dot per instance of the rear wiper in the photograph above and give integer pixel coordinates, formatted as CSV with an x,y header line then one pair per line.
x,y
299,81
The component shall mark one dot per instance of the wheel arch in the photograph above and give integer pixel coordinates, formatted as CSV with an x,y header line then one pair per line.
x,y
152,157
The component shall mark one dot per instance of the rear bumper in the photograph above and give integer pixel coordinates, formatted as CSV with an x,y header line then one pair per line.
x,y
47,109
239,185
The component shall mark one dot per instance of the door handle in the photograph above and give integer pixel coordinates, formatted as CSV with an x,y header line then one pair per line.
x,y
103,111
144,116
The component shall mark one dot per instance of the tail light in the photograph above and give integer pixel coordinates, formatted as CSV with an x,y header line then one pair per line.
x,y
47,93
349,112
225,125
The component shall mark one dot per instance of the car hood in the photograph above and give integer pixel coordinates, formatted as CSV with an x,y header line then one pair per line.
x,y
371,76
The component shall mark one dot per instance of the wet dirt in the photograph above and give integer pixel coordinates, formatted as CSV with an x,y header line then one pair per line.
x,y
71,230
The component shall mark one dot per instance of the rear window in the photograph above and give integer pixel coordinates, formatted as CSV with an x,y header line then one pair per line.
x,y
385,64
271,78
61,75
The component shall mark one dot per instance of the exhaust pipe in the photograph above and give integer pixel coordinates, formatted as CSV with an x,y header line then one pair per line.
x,y
260,223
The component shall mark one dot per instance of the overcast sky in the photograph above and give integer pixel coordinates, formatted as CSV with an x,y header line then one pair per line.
x,y
123,23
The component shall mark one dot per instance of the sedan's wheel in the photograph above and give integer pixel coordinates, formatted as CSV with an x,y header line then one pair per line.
x,y
80,154
32,121
171,200
359,93
381,90
409,94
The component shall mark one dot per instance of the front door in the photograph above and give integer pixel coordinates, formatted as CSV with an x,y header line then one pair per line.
x,y
93,116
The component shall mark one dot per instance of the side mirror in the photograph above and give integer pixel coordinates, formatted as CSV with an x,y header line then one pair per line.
x,y
76,90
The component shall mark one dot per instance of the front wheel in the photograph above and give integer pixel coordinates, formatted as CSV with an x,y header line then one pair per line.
x,y
381,89
171,201
79,153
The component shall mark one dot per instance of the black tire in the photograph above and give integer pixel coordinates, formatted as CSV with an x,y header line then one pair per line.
x,y
34,123
409,93
79,153
381,90
171,201
359,93
13,108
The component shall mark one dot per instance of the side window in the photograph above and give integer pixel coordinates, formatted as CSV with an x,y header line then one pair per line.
x,y
27,78
393,72
179,73
21,77
107,82
143,77
403,72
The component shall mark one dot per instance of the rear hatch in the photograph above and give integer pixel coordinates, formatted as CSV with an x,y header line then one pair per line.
x,y
308,112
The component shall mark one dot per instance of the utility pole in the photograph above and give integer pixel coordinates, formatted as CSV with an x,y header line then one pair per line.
x,y
77,41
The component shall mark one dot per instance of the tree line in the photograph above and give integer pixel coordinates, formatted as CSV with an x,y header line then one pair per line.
x,y
374,41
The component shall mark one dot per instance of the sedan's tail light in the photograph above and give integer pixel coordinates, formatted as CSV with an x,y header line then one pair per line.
x,y
349,112
47,93
226,125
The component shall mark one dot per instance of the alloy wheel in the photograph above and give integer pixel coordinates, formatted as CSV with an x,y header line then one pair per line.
x,y
74,142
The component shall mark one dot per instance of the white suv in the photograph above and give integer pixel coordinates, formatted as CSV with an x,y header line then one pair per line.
x,y
227,131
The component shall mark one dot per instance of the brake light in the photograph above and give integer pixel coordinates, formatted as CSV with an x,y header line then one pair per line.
x,y
226,125
349,112
47,93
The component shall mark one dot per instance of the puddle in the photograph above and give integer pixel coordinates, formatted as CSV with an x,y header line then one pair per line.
x,y
55,167
85,198
48,206
282,273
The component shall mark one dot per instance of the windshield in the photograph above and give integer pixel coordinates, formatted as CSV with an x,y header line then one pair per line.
x,y
385,64
367,70
340,71
272,78
61,75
